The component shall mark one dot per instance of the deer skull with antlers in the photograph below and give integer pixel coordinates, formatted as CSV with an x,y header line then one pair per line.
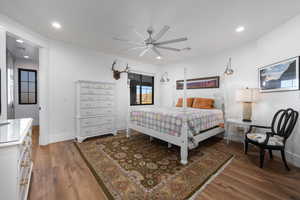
x,y
117,73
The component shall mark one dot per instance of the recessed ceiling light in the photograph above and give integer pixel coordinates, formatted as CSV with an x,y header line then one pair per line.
x,y
239,29
56,25
20,41
159,57
26,57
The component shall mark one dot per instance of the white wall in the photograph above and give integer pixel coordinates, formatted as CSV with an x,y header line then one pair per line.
x,y
196,68
62,64
23,110
282,43
69,64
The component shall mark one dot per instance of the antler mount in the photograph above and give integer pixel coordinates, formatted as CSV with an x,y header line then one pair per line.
x,y
117,73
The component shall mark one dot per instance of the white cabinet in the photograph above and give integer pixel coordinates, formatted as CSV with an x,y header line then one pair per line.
x,y
95,109
15,159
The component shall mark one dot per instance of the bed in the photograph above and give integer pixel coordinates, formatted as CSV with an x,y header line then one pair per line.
x,y
184,127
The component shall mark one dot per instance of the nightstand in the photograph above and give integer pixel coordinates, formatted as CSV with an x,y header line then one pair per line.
x,y
237,123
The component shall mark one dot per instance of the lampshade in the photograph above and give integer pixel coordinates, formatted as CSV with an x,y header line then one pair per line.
x,y
247,95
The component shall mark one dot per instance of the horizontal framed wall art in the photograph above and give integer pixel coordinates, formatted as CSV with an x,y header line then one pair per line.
x,y
281,76
200,83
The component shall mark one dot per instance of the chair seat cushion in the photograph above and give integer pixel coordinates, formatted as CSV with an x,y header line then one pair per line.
x,y
261,137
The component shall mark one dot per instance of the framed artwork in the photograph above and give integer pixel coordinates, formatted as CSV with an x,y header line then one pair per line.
x,y
281,76
200,83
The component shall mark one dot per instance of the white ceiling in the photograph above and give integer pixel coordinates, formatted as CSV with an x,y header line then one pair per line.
x,y
209,24
20,50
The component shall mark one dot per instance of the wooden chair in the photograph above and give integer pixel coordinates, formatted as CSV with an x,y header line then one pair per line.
x,y
275,138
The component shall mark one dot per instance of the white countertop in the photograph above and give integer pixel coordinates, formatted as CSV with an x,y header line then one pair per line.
x,y
13,132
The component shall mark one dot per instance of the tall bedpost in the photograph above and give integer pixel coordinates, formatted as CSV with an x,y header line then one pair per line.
x,y
128,109
184,90
184,129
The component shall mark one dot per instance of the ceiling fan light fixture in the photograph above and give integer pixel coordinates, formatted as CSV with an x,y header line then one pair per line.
x,y
158,57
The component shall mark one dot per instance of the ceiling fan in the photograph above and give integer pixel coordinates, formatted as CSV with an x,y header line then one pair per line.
x,y
153,43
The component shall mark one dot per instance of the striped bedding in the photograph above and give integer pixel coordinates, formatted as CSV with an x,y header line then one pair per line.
x,y
168,120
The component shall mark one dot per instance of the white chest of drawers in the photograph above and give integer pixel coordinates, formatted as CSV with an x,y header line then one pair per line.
x,y
15,159
95,109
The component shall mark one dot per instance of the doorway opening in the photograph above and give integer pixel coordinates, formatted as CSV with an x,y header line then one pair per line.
x,y
22,66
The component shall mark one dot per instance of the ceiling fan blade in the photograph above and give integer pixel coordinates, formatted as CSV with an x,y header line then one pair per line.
x,y
161,33
171,41
143,52
141,36
132,48
156,51
168,48
128,41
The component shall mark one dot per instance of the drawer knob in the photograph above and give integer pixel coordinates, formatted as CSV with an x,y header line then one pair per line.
x,y
24,182
24,163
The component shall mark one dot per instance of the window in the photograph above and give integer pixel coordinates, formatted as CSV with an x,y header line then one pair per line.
x,y
27,86
141,89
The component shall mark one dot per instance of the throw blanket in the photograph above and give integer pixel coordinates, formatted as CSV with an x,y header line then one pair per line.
x,y
169,120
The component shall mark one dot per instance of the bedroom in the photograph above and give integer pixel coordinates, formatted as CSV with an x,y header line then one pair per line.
x,y
82,47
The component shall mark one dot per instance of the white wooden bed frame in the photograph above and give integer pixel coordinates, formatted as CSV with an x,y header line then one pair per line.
x,y
183,140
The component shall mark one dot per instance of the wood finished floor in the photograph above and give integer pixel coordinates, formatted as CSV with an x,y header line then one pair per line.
x,y
61,174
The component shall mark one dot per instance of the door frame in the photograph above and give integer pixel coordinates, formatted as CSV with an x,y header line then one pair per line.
x,y
6,27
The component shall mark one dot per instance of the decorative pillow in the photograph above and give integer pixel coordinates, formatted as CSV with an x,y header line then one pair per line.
x,y
189,102
203,103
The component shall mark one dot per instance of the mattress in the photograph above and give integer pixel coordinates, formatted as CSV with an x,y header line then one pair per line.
x,y
169,120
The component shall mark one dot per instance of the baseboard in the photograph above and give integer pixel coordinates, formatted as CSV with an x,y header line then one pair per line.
x,y
122,127
65,136
293,158
60,138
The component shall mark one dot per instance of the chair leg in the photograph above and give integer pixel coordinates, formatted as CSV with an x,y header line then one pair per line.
x,y
262,157
284,160
271,154
246,147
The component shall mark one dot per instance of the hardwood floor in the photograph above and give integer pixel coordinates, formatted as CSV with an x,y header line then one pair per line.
x,y
61,174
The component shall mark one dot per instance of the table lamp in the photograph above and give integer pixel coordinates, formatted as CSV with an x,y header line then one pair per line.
x,y
247,96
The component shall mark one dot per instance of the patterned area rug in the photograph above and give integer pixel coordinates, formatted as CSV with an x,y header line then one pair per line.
x,y
137,168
